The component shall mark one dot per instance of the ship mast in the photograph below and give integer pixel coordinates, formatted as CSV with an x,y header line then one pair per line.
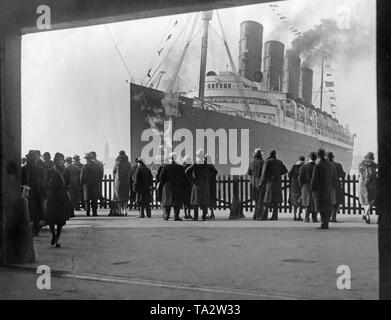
x,y
206,17
321,80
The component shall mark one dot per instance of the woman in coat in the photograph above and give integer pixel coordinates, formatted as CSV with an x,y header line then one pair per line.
x,y
295,189
307,198
58,206
122,173
74,175
142,186
367,184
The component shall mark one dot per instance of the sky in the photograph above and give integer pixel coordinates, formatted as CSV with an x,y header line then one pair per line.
x,y
74,91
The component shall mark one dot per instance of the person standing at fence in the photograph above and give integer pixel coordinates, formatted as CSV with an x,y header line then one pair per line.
x,y
77,163
307,197
142,185
272,171
295,189
34,176
73,174
91,179
187,189
199,174
58,206
367,184
338,194
173,180
323,182
101,166
132,193
122,182
212,186
257,193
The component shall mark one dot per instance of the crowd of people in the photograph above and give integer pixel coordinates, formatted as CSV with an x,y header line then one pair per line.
x,y
314,187
58,187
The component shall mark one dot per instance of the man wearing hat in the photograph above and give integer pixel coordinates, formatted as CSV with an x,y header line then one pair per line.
x,y
173,181
305,177
33,176
272,171
338,194
255,172
322,183
72,173
198,174
142,186
90,179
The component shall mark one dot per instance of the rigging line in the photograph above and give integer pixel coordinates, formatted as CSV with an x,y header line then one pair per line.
x,y
159,46
169,51
119,52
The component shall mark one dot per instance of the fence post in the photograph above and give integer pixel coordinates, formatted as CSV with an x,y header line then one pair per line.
x,y
354,195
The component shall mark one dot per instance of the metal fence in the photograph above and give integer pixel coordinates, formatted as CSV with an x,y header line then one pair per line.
x,y
225,194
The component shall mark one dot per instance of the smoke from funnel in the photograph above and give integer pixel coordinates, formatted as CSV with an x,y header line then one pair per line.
x,y
339,45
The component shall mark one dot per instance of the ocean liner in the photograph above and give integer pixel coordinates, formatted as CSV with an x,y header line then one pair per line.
x,y
267,101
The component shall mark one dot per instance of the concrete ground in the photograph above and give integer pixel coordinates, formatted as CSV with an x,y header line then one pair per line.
x,y
129,258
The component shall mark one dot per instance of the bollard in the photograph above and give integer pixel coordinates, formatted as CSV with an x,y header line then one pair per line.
x,y
236,210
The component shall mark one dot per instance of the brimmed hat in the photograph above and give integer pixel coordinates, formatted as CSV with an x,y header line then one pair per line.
x,y
258,152
312,155
68,159
370,156
140,160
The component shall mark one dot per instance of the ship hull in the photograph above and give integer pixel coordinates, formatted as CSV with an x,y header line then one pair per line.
x,y
288,144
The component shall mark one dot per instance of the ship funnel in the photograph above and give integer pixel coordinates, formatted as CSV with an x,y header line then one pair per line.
x,y
305,91
291,73
250,49
273,63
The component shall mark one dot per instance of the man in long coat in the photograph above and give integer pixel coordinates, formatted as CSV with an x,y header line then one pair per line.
x,y
34,176
198,174
73,172
122,181
272,171
142,185
295,189
91,179
101,167
338,194
257,194
323,182
173,181
307,198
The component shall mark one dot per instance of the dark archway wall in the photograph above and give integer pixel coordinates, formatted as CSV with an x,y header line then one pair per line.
x,y
19,16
